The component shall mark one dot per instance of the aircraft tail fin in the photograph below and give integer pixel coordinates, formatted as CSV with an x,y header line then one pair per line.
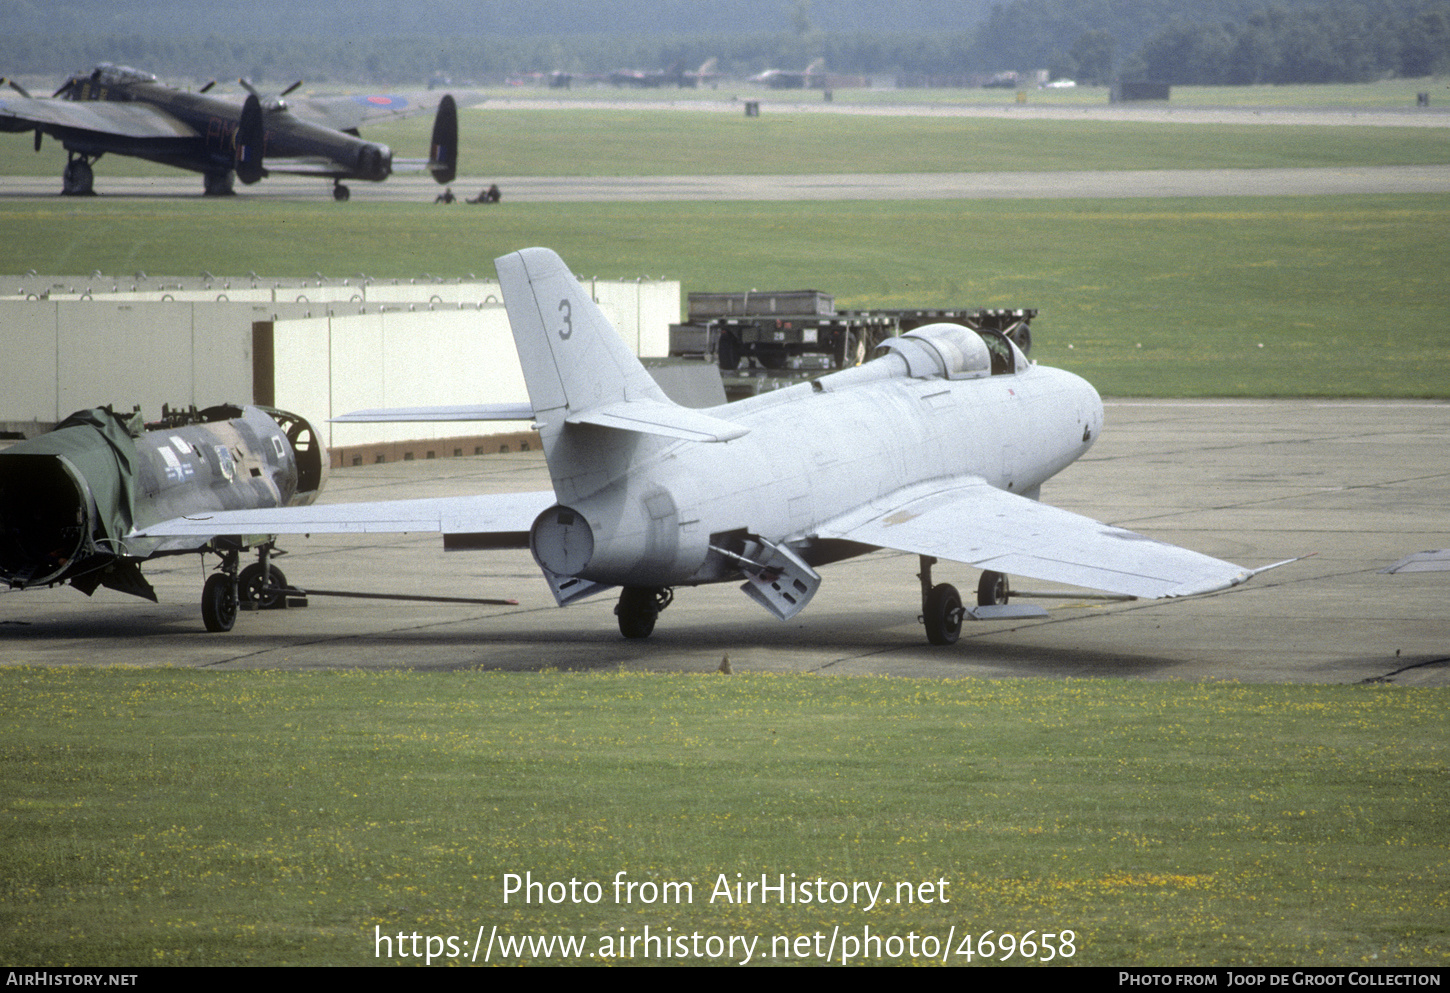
x,y
573,359
443,149
251,133
598,410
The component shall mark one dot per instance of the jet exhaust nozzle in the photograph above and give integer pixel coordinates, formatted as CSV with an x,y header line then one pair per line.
x,y
46,517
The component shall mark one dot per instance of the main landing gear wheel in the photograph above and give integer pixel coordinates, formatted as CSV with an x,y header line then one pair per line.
x,y
639,607
942,615
340,193
78,180
219,603
252,587
219,184
992,589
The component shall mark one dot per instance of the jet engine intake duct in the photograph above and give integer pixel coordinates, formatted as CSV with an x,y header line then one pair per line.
x,y
45,519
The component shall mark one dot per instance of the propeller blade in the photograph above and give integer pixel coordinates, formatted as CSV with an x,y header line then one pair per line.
x,y
290,88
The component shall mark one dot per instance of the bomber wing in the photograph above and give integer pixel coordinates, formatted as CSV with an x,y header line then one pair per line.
x,y
96,117
506,515
348,113
967,520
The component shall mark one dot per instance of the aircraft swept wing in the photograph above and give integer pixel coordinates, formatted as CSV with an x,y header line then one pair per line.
x,y
124,111
968,521
938,446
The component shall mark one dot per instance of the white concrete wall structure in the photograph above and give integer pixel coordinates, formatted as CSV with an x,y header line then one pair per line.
x,y
325,366
72,342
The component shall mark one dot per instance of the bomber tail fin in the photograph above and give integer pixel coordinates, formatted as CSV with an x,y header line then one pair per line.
x,y
443,149
599,412
251,134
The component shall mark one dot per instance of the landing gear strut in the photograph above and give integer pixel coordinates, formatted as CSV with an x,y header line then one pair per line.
x,y
638,608
78,179
260,586
941,607
219,596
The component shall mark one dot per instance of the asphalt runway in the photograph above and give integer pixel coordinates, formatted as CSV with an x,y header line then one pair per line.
x,y
855,186
1358,485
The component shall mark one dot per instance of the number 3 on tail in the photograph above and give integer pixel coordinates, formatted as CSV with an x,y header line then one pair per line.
x,y
568,313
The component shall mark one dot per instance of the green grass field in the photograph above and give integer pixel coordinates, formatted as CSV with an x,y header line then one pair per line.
x,y
1346,295
179,817
633,142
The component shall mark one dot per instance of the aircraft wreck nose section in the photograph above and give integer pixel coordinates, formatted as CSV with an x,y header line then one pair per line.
x,y
45,519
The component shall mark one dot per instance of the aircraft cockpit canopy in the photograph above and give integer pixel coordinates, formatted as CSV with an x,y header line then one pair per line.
x,y
113,75
947,350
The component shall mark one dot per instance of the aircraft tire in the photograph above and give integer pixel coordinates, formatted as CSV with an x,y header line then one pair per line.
x,y
341,193
992,589
218,603
252,587
638,609
219,184
943,615
78,180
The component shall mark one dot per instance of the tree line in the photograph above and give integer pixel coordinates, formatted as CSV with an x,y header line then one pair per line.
x,y
1094,41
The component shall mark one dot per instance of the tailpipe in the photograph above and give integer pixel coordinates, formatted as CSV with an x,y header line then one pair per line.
x,y
47,516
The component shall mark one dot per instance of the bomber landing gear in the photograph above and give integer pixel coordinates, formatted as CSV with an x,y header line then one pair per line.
x,y
340,192
219,184
639,607
78,179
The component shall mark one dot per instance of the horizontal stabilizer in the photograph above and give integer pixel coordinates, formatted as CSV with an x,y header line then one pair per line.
x,y
660,418
475,412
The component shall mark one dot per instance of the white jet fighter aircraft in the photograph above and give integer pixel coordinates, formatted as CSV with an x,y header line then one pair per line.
x,y
937,446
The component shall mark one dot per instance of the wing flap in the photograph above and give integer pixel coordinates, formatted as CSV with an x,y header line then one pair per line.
x,y
967,520
491,513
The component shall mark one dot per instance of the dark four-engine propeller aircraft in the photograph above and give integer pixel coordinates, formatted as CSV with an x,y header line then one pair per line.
x,y
71,500
938,446
124,111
